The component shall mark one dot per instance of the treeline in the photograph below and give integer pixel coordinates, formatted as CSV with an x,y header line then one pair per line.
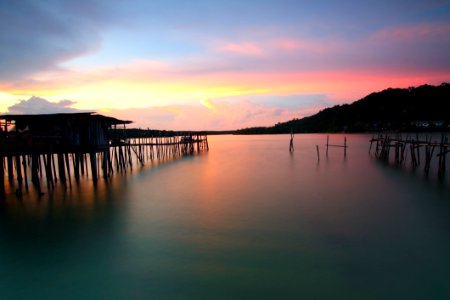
x,y
423,108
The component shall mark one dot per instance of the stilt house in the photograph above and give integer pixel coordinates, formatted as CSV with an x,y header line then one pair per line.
x,y
55,133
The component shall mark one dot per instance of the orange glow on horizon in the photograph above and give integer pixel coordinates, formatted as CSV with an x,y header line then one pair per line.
x,y
129,91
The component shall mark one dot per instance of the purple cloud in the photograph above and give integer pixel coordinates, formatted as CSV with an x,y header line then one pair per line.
x,y
39,36
36,105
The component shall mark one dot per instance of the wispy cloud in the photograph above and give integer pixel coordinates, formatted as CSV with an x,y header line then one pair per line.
x,y
216,115
244,48
415,32
306,45
212,115
39,36
136,55
419,48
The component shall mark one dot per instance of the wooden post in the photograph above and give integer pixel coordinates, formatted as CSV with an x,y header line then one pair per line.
x,y
121,158
402,154
318,155
442,155
428,155
35,163
377,146
76,165
291,143
53,167
105,163
68,169
397,152
345,146
418,152
328,139
48,169
34,168
444,161
82,163
130,160
19,169
385,149
198,143
25,174
116,158
61,168
41,169
413,155
9,162
110,163
93,158
2,174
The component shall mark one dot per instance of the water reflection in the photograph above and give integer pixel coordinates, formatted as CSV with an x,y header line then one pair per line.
x,y
246,220
63,207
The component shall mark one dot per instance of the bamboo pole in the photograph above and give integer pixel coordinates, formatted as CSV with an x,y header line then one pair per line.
x,y
18,169
2,174
61,168
93,159
345,146
318,155
67,161
9,162
35,165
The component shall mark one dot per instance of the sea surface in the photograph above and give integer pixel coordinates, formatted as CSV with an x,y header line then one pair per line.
x,y
246,220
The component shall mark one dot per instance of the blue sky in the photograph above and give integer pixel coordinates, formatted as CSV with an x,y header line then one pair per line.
x,y
274,60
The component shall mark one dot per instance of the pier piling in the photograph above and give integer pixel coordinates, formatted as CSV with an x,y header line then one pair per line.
x,y
384,143
53,147
344,146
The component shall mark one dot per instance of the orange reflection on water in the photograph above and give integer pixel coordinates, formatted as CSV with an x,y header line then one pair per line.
x,y
80,201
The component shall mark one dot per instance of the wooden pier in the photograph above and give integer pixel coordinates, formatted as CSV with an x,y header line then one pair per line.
x,y
344,146
65,147
419,150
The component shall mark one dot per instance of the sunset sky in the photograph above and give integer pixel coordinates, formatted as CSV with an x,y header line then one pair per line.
x,y
213,64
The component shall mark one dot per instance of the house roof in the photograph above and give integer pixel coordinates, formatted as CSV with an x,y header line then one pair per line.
x,y
63,116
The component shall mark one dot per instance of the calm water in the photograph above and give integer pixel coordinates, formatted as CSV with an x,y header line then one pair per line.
x,y
247,220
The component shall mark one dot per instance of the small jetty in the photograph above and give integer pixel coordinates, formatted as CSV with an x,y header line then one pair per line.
x,y
328,145
414,149
344,146
60,147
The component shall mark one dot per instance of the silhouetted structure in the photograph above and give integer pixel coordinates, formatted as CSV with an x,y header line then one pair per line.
x,y
291,143
59,145
345,146
75,132
384,143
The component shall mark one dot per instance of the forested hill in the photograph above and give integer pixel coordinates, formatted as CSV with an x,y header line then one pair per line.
x,y
423,108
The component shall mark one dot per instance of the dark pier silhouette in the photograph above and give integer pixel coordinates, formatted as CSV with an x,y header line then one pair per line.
x,y
412,145
327,145
291,143
344,146
61,146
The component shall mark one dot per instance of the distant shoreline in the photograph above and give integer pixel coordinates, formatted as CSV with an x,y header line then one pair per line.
x,y
409,110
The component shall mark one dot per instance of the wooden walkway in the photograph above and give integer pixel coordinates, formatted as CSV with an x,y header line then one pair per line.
x,y
419,150
121,155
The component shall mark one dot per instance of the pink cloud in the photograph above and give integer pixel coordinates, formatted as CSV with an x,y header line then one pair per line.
x,y
287,44
306,45
272,47
244,48
219,115
413,32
